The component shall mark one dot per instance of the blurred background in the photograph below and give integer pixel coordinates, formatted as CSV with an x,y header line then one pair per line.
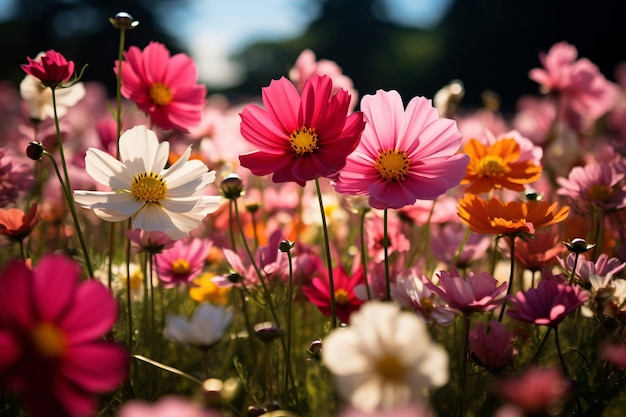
x,y
413,46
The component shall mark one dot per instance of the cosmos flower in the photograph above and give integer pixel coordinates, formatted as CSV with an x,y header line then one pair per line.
x,y
384,359
157,198
403,155
346,303
52,354
182,262
206,327
163,86
39,98
167,406
300,138
599,185
15,177
16,225
50,68
204,290
536,391
514,217
541,251
492,344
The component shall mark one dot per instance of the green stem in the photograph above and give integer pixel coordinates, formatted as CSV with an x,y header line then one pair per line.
x,y
231,229
572,276
558,350
466,329
289,330
508,288
167,368
463,243
386,254
129,301
543,342
331,280
364,255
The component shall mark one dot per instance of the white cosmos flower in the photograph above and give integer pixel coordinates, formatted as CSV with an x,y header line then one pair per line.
x,y
206,327
384,359
39,98
158,198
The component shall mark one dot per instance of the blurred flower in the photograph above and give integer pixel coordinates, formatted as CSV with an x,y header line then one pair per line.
x,y
39,98
16,225
167,406
498,166
207,326
537,391
495,217
385,359
492,344
52,354
158,198
50,68
306,66
446,239
540,251
599,185
163,86
413,410
477,292
397,241
204,290
403,155
151,242
602,266
182,262
15,177
581,87
548,304
300,137
615,354
120,281
346,303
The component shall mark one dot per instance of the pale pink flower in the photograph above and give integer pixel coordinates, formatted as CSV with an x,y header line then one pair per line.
x,y
534,118
602,266
403,156
614,353
492,344
152,242
477,292
16,177
167,406
446,240
599,185
536,391
182,262
423,212
397,241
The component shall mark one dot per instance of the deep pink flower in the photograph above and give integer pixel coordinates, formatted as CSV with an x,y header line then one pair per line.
x,y
167,406
51,68
183,261
548,304
346,303
581,87
614,353
163,86
477,292
536,391
403,156
300,137
492,344
599,185
52,354
602,266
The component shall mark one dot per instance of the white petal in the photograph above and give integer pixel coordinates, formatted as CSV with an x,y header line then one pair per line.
x,y
190,171
180,205
110,216
107,170
177,329
119,202
140,148
153,217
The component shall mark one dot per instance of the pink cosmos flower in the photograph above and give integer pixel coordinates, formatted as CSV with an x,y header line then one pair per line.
x,y
300,137
346,303
602,267
492,344
614,353
581,87
398,241
539,252
536,391
154,241
52,354
163,86
51,68
477,292
183,261
15,177
600,185
167,406
548,304
306,66
446,239
403,156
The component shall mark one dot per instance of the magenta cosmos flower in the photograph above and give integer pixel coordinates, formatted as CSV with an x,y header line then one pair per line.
x,y
52,354
183,261
477,292
51,68
163,86
403,156
599,185
548,304
300,138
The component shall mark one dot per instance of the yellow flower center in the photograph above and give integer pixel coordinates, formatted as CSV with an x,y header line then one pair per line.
x,y
136,280
303,140
392,165
161,94
600,193
149,187
390,368
492,166
427,305
49,340
341,296
180,266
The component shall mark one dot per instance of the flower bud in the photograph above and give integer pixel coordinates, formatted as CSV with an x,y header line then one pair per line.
x,y
579,245
34,150
267,331
532,195
123,21
285,246
232,187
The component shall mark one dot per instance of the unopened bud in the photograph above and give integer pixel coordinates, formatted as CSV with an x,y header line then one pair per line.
x,y
232,187
123,21
34,151
285,246
267,331
579,245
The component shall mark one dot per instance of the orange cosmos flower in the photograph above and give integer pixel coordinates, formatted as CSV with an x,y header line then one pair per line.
x,y
498,166
495,217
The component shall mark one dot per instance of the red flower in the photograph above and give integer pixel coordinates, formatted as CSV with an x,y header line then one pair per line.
x,y
51,68
163,87
318,292
16,225
300,138
51,350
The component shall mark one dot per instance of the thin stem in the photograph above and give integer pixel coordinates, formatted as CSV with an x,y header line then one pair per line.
x,y
231,229
22,251
463,243
151,284
168,368
572,276
386,254
511,274
364,255
558,350
543,342
331,280
255,232
111,254
118,97
129,301
466,329
289,330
